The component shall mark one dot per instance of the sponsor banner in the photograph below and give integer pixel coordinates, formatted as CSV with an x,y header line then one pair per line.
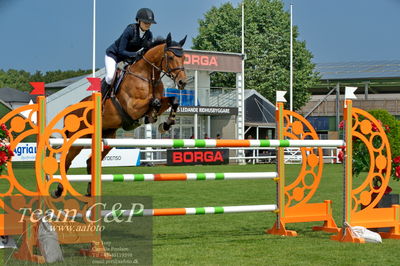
x,y
207,110
116,157
25,151
197,156
213,61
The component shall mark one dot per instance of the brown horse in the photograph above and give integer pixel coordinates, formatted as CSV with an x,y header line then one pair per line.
x,y
140,95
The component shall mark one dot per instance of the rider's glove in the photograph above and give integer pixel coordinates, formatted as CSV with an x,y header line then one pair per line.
x,y
140,51
139,54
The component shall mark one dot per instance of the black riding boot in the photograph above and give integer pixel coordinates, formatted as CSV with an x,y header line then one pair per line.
x,y
104,87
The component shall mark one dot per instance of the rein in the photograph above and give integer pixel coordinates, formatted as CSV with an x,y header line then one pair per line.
x,y
174,49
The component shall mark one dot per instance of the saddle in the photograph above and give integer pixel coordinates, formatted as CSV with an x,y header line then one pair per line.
x,y
127,122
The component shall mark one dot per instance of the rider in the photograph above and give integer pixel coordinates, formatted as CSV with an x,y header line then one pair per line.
x,y
129,45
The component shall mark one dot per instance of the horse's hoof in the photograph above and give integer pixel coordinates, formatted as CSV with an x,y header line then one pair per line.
x,y
150,120
56,194
88,191
163,127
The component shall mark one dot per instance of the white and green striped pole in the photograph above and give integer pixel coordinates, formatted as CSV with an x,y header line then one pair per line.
x,y
172,177
203,143
188,211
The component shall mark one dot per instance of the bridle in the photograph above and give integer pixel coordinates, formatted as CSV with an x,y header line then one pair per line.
x,y
177,51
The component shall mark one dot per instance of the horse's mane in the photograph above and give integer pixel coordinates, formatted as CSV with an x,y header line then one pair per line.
x,y
155,42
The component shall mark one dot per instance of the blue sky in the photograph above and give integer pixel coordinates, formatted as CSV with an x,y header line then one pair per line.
x,y
57,34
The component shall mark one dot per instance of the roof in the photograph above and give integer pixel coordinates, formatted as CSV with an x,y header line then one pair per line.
x,y
65,82
6,104
359,70
258,109
380,96
213,52
248,93
10,95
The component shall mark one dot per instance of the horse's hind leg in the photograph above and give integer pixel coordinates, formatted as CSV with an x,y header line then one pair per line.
x,y
166,102
110,133
72,153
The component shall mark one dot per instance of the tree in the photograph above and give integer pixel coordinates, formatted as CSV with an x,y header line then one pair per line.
x,y
19,79
267,38
361,158
12,78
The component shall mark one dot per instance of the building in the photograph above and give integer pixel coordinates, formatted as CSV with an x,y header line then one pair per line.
x,y
259,116
378,85
15,98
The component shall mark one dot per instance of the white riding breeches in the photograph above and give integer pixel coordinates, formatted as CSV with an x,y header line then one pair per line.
x,y
110,69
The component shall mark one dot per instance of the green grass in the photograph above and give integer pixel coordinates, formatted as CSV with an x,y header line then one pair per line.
x,y
235,239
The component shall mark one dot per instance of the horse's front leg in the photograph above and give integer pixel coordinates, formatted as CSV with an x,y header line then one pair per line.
x,y
109,133
155,106
167,102
72,153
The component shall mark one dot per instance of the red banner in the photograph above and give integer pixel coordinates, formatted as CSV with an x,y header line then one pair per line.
x,y
197,156
213,61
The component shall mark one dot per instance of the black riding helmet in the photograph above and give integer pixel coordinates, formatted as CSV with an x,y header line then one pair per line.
x,y
145,15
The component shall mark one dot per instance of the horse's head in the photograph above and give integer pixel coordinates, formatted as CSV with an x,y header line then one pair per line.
x,y
173,58
166,56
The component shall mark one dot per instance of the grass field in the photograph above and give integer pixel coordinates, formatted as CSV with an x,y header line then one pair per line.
x,y
234,239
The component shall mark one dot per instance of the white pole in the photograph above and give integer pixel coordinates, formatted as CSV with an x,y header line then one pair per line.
x,y
94,39
243,28
209,126
291,60
240,86
243,116
208,143
196,88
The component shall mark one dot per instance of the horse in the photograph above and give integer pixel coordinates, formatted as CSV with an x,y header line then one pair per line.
x,y
140,96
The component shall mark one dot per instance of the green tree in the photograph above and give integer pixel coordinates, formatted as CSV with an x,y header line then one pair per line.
x,y
267,38
391,126
19,79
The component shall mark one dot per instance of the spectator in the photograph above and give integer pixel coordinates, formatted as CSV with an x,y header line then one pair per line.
x,y
249,153
266,152
218,136
206,136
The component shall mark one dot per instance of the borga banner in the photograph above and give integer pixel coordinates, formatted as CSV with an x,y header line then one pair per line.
x,y
197,156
